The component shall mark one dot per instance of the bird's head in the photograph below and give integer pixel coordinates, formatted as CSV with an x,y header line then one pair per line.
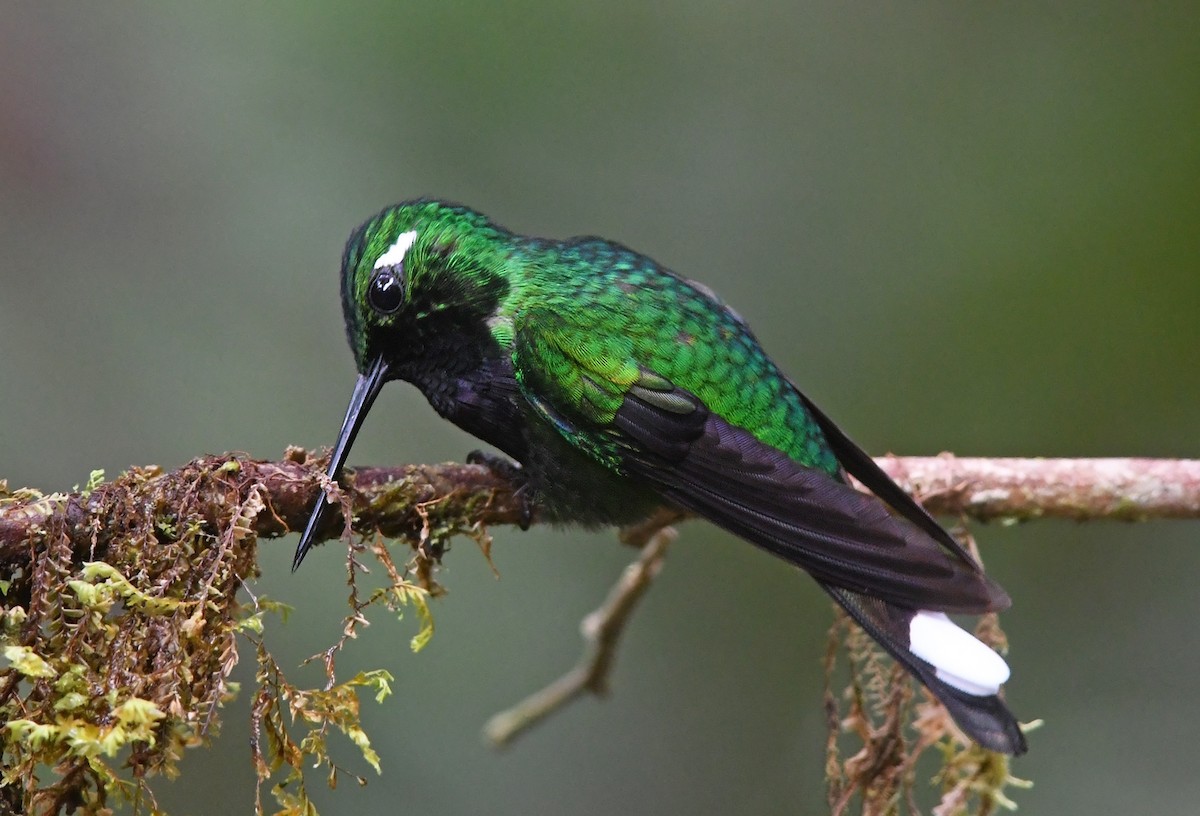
x,y
415,270
413,275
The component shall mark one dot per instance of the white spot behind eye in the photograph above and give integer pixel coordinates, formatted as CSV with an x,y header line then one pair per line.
x,y
394,256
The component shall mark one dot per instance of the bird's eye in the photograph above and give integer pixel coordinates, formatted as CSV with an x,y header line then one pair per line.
x,y
386,293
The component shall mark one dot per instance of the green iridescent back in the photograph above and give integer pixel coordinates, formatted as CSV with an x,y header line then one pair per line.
x,y
621,312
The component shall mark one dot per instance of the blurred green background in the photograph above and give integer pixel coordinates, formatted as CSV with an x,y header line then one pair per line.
x,y
960,227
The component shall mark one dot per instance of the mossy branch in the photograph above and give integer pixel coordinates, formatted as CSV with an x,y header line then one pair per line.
x,y
388,500
122,615
385,500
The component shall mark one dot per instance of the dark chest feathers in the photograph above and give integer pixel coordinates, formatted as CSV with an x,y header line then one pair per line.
x,y
469,380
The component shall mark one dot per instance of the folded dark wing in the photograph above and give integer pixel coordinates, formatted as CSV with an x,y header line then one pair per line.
x,y
840,536
859,464
879,568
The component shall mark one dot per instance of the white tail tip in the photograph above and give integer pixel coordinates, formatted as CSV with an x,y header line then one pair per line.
x,y
961,660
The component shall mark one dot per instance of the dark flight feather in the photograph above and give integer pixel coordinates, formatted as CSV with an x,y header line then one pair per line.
x,y
880,569
838,535
859,464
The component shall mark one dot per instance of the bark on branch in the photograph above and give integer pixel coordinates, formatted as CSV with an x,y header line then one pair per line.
x,y
1019,489
391,500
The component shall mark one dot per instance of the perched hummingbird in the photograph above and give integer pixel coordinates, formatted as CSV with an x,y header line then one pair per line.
x,y
621,387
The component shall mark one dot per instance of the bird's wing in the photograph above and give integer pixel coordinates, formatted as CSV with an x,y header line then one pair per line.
x,y
891,575
593,389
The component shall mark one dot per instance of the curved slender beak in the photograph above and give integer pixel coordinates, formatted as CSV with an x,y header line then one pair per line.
x,y
365,391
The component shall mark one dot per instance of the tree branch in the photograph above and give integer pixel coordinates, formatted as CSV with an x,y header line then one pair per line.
x,y
391,500
1020,489
601,631
134,652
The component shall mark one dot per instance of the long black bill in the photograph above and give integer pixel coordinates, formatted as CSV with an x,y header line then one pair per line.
x,y
365,391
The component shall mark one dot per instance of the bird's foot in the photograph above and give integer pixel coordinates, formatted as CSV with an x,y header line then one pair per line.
x,y
512,472
502,466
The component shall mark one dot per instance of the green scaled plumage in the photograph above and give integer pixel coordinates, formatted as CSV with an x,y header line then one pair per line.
x,y
620,387
593,320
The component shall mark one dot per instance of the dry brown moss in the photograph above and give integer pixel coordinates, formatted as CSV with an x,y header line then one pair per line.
x,y
122,618
877,717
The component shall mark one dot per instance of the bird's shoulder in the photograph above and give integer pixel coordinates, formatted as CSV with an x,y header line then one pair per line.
x,y
604,319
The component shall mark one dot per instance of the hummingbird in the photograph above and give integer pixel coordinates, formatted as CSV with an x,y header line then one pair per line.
x,y
618,387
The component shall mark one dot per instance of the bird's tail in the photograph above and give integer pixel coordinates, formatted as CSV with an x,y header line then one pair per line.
x,y
962,672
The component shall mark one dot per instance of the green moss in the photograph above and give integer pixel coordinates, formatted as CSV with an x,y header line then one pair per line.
x,y
115,663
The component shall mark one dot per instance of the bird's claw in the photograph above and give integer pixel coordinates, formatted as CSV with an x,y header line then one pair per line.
x,y
502,466
512,472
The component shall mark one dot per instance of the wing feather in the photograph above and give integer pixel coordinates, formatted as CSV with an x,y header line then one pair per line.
x,y
880,568
837,534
